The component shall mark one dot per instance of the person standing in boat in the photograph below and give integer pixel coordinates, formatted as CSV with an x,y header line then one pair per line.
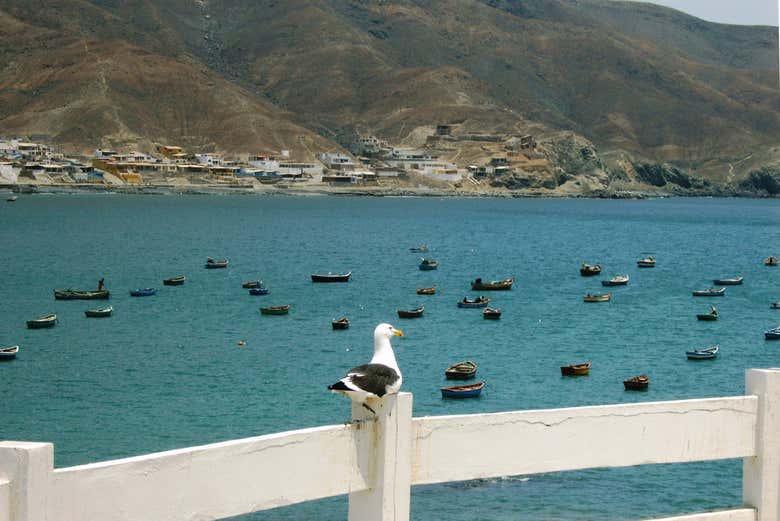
x,y
100,284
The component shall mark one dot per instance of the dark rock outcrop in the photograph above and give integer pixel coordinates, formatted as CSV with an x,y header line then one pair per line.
x,y
764,180
662,174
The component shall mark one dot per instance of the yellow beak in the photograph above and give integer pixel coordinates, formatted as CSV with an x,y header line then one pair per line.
x,y
398,332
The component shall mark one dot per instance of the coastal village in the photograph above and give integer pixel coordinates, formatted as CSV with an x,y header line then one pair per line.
x,y
370,163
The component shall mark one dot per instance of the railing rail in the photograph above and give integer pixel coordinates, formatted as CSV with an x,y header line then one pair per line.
x,y
376,460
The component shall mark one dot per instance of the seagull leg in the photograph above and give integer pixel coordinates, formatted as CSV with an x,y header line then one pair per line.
x,y
369,408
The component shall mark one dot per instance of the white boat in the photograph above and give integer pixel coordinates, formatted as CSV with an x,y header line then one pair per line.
x,y
617,280
8,353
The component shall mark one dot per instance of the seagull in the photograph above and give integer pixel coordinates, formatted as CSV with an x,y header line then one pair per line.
x,y
379,377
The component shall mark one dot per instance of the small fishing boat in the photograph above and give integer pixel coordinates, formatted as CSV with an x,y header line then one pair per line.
x,y
340,323
461,371
647,262
711,292
463,391
411,313
428,264
491,313
100,312
275,310
771,261
419,249
479,302
426,291
12,199
174,281
43,321
587,270
576,369
143,292
597,297
637,383
331,277
494,285
252,284
707,353
772,334
736,281
259,291
212,264
73,294
617,280
8,353
775,305
712,315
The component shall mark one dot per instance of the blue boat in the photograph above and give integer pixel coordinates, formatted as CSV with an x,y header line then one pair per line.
x,y
480,302
143,292
463,391
258,291
772,334
707,353
428,264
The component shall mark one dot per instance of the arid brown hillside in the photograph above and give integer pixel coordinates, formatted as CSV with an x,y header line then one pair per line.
x,y
239,74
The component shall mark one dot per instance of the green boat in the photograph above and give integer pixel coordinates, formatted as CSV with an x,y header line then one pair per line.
x,y
275,310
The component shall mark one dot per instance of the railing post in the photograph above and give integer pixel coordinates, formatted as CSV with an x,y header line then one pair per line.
x,y
27,468
388,464
761,473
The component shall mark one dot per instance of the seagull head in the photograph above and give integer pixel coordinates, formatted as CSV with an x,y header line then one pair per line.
x,y
386,331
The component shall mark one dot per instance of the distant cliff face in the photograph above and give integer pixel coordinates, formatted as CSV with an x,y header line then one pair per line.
x,y
304,74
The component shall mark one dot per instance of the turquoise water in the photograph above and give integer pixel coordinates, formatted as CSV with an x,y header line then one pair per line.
x,y
166,372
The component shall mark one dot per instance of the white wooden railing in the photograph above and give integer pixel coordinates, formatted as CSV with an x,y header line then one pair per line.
x,y
377,460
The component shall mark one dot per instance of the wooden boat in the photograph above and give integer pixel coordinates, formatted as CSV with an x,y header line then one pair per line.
x,y
495,285
587,270
340,323
100,312
617,280
707,353
711,292
772,334
43,321
461,371
143,292
428,264
491,313
576,369
174,281
736,281
637,383
212,264
73,294
463,391
330,277
775,305
252,284
771,261
259,291
712,315
275,310
597,297
647,262
8,353
480,302
411,313
426,291
419,249
12,199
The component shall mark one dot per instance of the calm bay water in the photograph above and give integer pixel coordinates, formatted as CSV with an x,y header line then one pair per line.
x,y
166,371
